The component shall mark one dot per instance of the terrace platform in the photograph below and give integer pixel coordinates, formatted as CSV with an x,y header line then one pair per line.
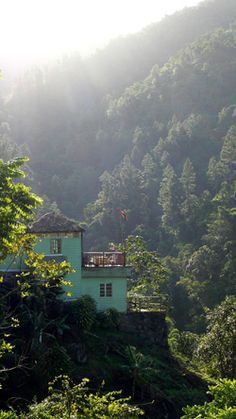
x,y
103,259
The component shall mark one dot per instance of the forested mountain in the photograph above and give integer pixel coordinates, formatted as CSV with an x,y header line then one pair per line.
x,y
178,119
177,184
129,59
147,125
60,111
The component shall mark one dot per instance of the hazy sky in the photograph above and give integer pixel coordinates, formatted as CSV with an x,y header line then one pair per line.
x,y
31,30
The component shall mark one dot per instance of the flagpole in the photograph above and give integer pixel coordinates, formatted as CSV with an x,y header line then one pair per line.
x,y
123,237
122,228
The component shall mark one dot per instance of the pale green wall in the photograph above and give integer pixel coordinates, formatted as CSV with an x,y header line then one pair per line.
x,y
84,280
117,276
12,263
71,249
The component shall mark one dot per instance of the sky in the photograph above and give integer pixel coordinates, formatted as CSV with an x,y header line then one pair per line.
x,y
33,31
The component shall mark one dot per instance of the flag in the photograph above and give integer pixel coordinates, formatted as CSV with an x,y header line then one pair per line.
x,y
123,214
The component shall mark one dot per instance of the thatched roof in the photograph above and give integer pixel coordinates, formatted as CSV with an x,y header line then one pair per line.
x,y
55,223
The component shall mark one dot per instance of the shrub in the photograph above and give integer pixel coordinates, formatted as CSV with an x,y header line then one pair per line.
x,y
223,405
8,415
67,400
82,312
184,343
109,319
217,349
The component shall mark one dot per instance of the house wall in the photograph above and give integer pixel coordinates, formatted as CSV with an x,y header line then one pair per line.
x,y
117,276
84,281
72,250
12,263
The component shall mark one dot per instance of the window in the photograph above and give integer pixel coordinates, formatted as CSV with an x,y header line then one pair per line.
x,y
55,246
105,290
109,290
102,290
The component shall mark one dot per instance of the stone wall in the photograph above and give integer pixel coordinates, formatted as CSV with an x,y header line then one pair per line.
x,y
148,325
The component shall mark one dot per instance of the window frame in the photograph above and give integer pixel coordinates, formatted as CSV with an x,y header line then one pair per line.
x,y
105,290
102,292
108,288
55,246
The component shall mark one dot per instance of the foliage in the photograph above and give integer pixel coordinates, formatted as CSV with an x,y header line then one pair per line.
x,y
45,273
27,298
109,319
141,369
177,184
148,271
170,198
17,207
82,312
183,343
59,111
217,346
223,405
8,415
67,400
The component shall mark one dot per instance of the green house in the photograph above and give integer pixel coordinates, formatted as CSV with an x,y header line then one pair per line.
x,y
102,275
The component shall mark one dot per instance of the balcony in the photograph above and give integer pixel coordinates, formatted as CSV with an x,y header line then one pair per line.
x,y
55,257
103,259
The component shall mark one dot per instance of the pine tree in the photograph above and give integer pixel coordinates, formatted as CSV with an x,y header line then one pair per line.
x,y
228,155
169,199
188,178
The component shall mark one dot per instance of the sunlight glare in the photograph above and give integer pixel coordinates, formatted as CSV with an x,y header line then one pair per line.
x,y
37,29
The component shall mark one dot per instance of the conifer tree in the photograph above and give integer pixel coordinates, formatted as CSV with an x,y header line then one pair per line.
x,y
169,199
188,178
228,155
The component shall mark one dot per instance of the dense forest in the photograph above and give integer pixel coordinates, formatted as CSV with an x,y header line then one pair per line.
x,y
147,126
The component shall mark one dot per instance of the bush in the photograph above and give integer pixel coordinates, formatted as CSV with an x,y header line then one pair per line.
x,y
223,405
8,415
67,400
217,349
82,312
50,361
184,343
109,319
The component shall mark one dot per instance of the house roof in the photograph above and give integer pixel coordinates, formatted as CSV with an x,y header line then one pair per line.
x,y
55,223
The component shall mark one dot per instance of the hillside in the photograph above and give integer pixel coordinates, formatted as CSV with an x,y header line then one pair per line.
x,y
60,112
130,59
177,184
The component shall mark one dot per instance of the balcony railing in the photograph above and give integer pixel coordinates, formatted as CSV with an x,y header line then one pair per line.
x,y
103,259
137,302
